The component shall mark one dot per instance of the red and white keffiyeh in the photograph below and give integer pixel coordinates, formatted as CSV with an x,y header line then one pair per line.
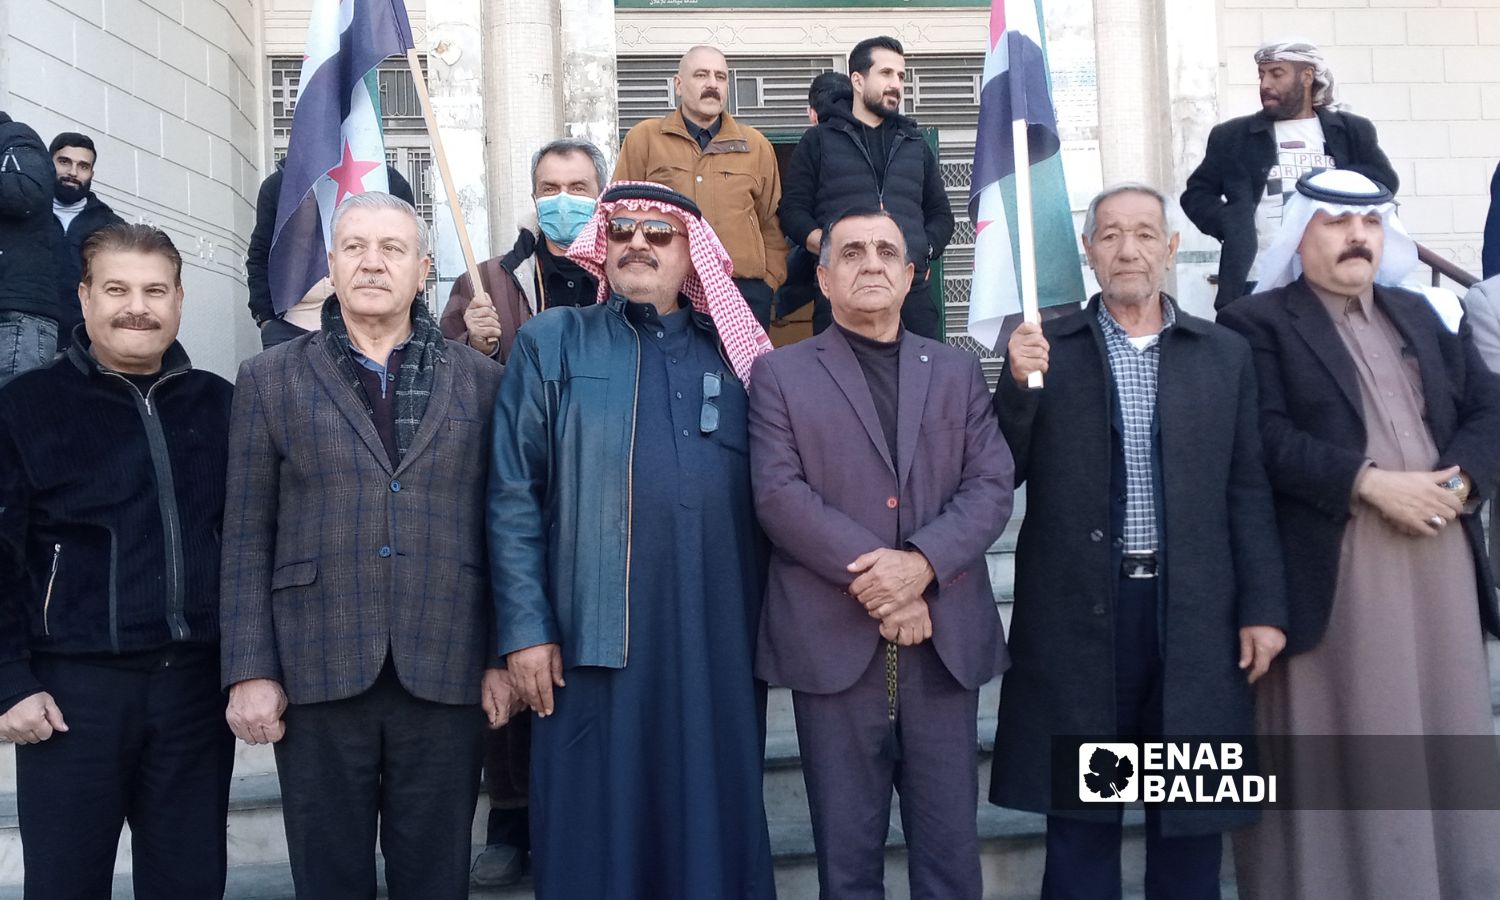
x,y
707,286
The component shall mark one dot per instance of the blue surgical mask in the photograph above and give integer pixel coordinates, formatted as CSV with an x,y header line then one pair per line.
x,y
562,216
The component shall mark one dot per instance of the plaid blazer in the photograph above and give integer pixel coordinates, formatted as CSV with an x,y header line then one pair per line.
x,y
333,557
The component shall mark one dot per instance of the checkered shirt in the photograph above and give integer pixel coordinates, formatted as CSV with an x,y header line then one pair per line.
x,y
1135,384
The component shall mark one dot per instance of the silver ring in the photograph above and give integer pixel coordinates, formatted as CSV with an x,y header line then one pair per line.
x,y
1437,521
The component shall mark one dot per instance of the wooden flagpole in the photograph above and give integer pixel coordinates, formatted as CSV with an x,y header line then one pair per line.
x,y
414,60
1024,231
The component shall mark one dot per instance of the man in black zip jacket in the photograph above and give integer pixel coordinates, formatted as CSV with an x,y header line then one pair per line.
x,y
112,467
873,155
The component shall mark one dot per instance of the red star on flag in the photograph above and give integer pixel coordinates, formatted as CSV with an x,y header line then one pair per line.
x,y
350,174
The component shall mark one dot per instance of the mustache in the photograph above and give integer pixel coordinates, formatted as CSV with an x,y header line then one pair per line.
x,y
711,92
373,281
1364,253
631,256
134,322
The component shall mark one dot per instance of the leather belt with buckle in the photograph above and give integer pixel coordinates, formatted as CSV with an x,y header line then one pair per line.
x,y
1138,565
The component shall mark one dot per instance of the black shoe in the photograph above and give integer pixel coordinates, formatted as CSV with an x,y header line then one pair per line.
x,y
499,865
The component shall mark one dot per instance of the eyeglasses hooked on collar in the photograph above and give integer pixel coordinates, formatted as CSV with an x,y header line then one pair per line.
x,y
708,418
658,233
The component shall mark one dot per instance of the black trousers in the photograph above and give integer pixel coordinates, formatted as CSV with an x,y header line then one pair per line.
x,y
1083,858
146,745
849,780
758,296
919,314
382,762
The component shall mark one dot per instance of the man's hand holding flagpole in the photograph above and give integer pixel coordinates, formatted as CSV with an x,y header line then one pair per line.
x,y
1018,200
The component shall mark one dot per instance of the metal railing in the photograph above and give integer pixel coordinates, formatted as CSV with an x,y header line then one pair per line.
x,y
1442,268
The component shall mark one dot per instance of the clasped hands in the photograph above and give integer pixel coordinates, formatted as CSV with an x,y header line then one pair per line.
x,y
889,584
1416,503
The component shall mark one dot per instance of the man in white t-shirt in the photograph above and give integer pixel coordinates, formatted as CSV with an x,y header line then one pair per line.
x,y
1252,163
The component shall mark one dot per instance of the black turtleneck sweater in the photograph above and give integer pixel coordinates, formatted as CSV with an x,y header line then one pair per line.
x,y
881,363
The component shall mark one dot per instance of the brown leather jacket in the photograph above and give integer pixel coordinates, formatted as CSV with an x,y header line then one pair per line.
x,y
505,293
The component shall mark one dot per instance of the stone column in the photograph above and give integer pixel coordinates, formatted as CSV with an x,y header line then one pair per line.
x,y
455,77
1134,138
1191,34
590,104
522,103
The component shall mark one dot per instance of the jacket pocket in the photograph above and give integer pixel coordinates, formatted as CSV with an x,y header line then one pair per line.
x,y
297,574
51,582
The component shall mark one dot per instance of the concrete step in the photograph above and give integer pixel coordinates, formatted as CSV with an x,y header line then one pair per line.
x,y
1012,856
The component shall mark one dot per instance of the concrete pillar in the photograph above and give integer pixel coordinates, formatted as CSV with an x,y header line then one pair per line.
x,y
1192,53
522,103
455,78
1134,138
590,104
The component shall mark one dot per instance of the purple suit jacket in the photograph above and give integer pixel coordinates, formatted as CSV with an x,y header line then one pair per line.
x,y
826,492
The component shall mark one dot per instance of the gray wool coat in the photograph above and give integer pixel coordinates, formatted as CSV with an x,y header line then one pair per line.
x,y
1221,560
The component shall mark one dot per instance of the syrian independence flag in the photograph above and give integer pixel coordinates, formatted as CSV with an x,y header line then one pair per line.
x,y
1017,87
336,146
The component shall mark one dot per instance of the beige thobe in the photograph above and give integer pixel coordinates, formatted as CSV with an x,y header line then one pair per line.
x,y
1403,655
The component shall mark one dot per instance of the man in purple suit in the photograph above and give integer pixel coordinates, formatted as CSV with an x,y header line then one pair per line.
x,y
881,478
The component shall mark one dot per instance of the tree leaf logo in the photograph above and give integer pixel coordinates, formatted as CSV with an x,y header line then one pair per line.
x,y
1109,775
1107,772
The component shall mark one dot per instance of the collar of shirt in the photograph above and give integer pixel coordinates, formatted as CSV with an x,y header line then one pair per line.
x,y
702,135
1340,305
379,367
644,315
1114,330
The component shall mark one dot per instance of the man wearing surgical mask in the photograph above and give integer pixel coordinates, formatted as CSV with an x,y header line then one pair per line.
x,y
566,177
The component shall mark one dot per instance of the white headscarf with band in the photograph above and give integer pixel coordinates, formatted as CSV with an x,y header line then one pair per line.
x,y
1307,53
1338,192
707,285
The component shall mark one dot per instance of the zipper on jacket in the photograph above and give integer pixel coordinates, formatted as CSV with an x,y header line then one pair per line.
x,y
51,580
630,487
880,175
166,494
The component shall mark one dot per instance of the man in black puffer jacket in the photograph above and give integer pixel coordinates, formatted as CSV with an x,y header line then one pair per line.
x,y
112,467
873,155
79,213
28,289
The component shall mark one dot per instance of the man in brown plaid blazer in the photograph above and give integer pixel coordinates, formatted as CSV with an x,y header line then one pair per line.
x,y
356,621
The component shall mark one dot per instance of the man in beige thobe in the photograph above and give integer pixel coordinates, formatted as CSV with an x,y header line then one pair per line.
x,y
1380,428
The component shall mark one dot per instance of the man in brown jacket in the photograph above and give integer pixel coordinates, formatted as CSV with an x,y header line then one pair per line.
x,y
728,169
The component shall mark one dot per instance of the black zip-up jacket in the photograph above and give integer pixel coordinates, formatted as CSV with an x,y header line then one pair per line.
x,y
27,226
1224,191
111,505
95,215
831,170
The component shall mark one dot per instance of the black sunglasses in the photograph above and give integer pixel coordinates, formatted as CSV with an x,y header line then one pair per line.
x,y
658,233
708,419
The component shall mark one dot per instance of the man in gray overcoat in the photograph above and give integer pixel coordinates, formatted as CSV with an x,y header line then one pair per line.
x,y
1149,586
